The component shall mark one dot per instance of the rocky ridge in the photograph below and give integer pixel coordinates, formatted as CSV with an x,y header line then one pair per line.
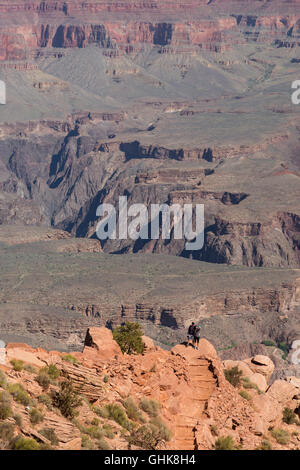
x,y
197,403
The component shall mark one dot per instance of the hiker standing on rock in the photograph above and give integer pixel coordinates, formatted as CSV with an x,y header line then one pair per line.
x,y
190,335
197,336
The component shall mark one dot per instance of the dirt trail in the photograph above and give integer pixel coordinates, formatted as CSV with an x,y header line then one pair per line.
x,y
203,385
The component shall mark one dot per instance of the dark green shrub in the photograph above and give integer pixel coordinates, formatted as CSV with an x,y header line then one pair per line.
x,y
19,394
105,379
35,416
289,416
67,399
129,338
22,443
268,342
50,434
233,376
53,371
151,407
17,364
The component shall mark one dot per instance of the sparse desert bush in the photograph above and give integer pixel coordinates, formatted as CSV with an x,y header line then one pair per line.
x,y
19,394
35,416
95,422
31,369
225,443
50,434
43,379
70,358
281,436
265,445
46,400
245,395
103,412
94,432
18,419
108,431
132,410
5,405
129,338
248,385
17,364
289,416
105,379
102,444
3,381
151,407
86,442
22,443
149,436
67,399
213,429
6,431
233,375
53,371
117,413
45,446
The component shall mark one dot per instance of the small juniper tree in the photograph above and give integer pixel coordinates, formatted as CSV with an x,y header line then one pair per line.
x,y
129,338
67,399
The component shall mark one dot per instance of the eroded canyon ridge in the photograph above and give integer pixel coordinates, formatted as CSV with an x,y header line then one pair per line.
x,y
164,102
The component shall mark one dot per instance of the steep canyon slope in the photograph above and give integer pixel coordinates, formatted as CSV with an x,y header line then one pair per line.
x,y
164,102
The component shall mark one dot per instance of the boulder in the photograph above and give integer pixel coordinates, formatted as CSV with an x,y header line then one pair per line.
x,y
149,344
205,349
261,364
260,381
101,341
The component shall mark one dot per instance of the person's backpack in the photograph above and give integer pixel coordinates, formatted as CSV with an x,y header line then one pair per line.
x,y
191,329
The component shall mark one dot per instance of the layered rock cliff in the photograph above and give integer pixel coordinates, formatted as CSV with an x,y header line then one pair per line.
x,y
184,391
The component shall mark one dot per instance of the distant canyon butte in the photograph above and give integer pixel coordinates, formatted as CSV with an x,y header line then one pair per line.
x,y
164,102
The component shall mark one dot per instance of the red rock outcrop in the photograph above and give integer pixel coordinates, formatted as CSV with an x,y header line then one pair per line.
x,y
196,401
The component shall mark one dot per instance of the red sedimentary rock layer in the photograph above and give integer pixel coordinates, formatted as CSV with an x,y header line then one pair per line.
x,y
213,25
